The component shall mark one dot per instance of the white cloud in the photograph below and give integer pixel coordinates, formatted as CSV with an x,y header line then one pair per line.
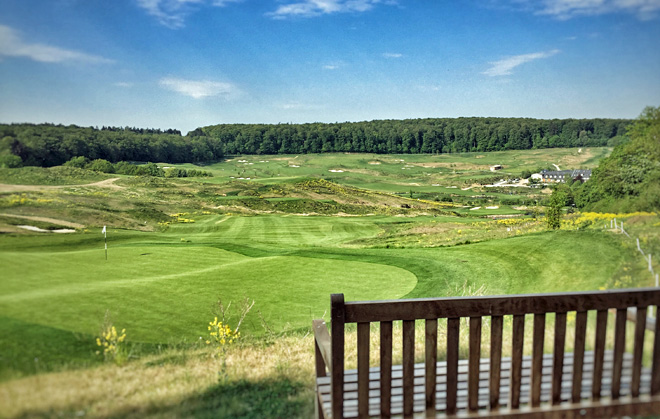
x,y
123,84
172,13
334,65
567,9
11,45
199,89
298,106
312,8
505,66
392,55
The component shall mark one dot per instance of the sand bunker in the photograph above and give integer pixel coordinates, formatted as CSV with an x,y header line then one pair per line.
x,y
41,230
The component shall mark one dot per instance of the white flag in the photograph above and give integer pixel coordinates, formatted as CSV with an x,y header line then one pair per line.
x,y
103,232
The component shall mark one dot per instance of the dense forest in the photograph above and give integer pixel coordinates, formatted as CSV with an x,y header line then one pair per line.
x,y
629,179
51,145
416,135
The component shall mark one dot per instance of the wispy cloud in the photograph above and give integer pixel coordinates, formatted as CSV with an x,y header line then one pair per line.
x,y
123,84
172,13
11,45
336,65
505,66
298,106
312,8
567,9
199,89
392,55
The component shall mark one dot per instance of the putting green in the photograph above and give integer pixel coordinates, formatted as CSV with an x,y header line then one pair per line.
x,y
167,293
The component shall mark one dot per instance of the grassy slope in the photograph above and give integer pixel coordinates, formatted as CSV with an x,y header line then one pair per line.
x,y
55,290
163,290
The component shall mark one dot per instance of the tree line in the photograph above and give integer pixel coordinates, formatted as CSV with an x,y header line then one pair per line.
x,y
51,145
415,135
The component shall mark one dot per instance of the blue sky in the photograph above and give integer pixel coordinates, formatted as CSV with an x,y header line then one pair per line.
x,y
189,63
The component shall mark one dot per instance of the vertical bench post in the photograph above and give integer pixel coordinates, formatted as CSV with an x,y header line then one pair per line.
x,y
431,362
516,361
496,323
453,327
363,369
408,367
385,369
578,355
473,364
337,315
558,357
537,358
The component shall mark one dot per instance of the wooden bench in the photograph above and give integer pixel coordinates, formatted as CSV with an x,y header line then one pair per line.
x,y
585,383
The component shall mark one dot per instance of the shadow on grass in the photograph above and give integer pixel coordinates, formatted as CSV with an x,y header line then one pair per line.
x,y
269,398
29,348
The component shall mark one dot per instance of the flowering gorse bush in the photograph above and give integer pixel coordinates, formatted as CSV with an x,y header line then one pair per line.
x,y
221,334
112,344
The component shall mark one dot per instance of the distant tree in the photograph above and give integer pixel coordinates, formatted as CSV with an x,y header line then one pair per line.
x,y
554,209
79,161
101,165
10,161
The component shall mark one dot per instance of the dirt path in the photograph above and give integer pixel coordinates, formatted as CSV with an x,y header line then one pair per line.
x,y
46,220
107,183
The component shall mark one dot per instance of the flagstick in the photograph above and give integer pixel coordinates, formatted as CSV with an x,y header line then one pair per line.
x,y
105,240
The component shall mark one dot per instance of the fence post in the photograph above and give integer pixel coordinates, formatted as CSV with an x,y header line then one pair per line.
x,y
650,265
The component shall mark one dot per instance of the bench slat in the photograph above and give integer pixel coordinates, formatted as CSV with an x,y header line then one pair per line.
x,y
453,326
496,323
578,354
385,368
337,326
619,349
655,384
431,355
408,366
638,350
436,308
599,349
518,331
558,357
537,357
473,363
363,368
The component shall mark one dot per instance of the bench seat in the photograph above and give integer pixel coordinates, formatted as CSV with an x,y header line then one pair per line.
x,y
350,384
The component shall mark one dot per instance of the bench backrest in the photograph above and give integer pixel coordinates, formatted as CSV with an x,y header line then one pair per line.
x,y
496,307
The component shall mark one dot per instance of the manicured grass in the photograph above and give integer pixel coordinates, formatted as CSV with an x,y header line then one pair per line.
x,y
163,289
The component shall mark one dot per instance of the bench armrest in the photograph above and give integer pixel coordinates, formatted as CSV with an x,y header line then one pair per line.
x,y
322,338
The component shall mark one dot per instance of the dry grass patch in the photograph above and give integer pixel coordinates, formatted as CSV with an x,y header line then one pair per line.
x,y
176,383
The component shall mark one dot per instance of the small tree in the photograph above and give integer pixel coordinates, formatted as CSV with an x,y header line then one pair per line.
x,y
79,161
554,211
101,165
